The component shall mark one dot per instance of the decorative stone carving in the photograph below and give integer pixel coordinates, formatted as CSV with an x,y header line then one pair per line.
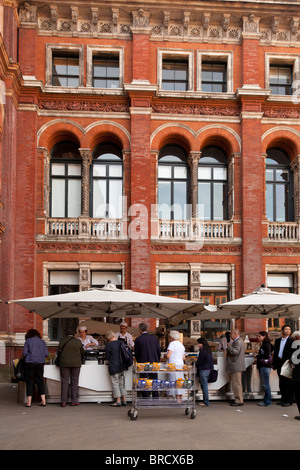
x,y
115,19
28,13
251,24
54,17
141,18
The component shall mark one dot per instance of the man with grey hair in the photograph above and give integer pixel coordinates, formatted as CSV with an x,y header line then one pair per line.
x,y
235,365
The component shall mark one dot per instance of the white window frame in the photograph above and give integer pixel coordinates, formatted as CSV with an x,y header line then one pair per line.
x,y
67,48
174,54
215,56
95,50
282,59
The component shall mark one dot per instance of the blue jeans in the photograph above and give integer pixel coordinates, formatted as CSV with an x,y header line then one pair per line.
x,y
203,378
264,373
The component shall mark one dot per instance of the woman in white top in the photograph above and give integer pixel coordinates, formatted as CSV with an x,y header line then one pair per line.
x,y
176,355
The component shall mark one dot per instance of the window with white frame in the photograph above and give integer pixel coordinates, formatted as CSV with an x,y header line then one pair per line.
x,y
215,72
175,70
281,73
105,67
64,65
280,282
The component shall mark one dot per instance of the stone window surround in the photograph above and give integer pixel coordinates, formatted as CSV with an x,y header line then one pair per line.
x,y
52,48
215,56
194,271
281,59
95,50
179,54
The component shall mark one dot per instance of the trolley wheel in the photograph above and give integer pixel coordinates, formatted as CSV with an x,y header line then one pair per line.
x,y
134,415
129,412
193,414
187,411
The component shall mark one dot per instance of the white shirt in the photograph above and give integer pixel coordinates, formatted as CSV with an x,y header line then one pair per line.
x,y
178,351
128,338
88,339
282,345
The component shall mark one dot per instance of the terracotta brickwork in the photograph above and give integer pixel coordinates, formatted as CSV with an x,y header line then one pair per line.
x,y
141,117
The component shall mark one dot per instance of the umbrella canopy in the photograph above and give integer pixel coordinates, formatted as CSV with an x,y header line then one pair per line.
x,y
262,303
108,302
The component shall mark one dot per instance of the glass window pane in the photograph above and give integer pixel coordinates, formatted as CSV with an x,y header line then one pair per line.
x,y
282,175
73,66
204,173
180,71
74,198
74,169
164,199
58,198
269,201
113,69
73,82
99,199
115,170
220,173
60,81
180,194
204,198
180,172
115,199
280,203
218,201
99,170
60,65
269,175
168,72
58,169
180,86
113,83
168,86
217,87
164,171
99,83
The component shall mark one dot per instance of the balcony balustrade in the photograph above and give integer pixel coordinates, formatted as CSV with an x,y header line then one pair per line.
x,y
284,231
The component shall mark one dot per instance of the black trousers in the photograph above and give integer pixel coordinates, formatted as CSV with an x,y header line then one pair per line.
x,y
296,384
285,386
34,373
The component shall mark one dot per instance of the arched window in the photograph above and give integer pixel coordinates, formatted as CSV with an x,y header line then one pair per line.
x,y
172,183
107,182
65,180
279,191
212,184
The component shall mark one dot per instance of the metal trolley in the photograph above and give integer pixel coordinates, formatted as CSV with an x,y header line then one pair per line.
x,y
155,386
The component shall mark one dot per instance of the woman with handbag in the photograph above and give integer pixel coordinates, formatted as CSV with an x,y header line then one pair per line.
x,y
34,352
264,363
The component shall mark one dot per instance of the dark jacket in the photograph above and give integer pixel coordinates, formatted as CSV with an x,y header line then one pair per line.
x,y
204,361
113,357
287,352
146,348
296,367
72,353
264,354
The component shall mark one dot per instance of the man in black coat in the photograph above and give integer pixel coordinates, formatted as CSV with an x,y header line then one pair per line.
x,y
282,352
147,349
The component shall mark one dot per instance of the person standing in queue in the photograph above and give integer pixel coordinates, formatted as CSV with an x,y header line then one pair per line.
x,y
87,340
295,359
283,352
115,369
204,365
147,350
235,365
71,356
34,351
123,335
264,363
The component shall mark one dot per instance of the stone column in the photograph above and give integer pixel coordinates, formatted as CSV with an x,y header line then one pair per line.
x,y
193,161
86,155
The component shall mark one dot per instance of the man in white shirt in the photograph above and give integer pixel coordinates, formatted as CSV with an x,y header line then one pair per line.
x,y
123,335
282,352
87,340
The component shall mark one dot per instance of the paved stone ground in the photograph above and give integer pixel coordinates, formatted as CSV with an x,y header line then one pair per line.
x,y
94,426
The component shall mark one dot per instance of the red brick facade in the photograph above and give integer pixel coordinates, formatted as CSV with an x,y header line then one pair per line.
x,y
141,118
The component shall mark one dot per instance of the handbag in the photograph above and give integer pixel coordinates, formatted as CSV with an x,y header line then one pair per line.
x,y
58,354
287,370
213,376
266,362
19,369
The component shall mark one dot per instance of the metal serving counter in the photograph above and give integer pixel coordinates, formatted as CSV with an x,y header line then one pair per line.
x,y
95,384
